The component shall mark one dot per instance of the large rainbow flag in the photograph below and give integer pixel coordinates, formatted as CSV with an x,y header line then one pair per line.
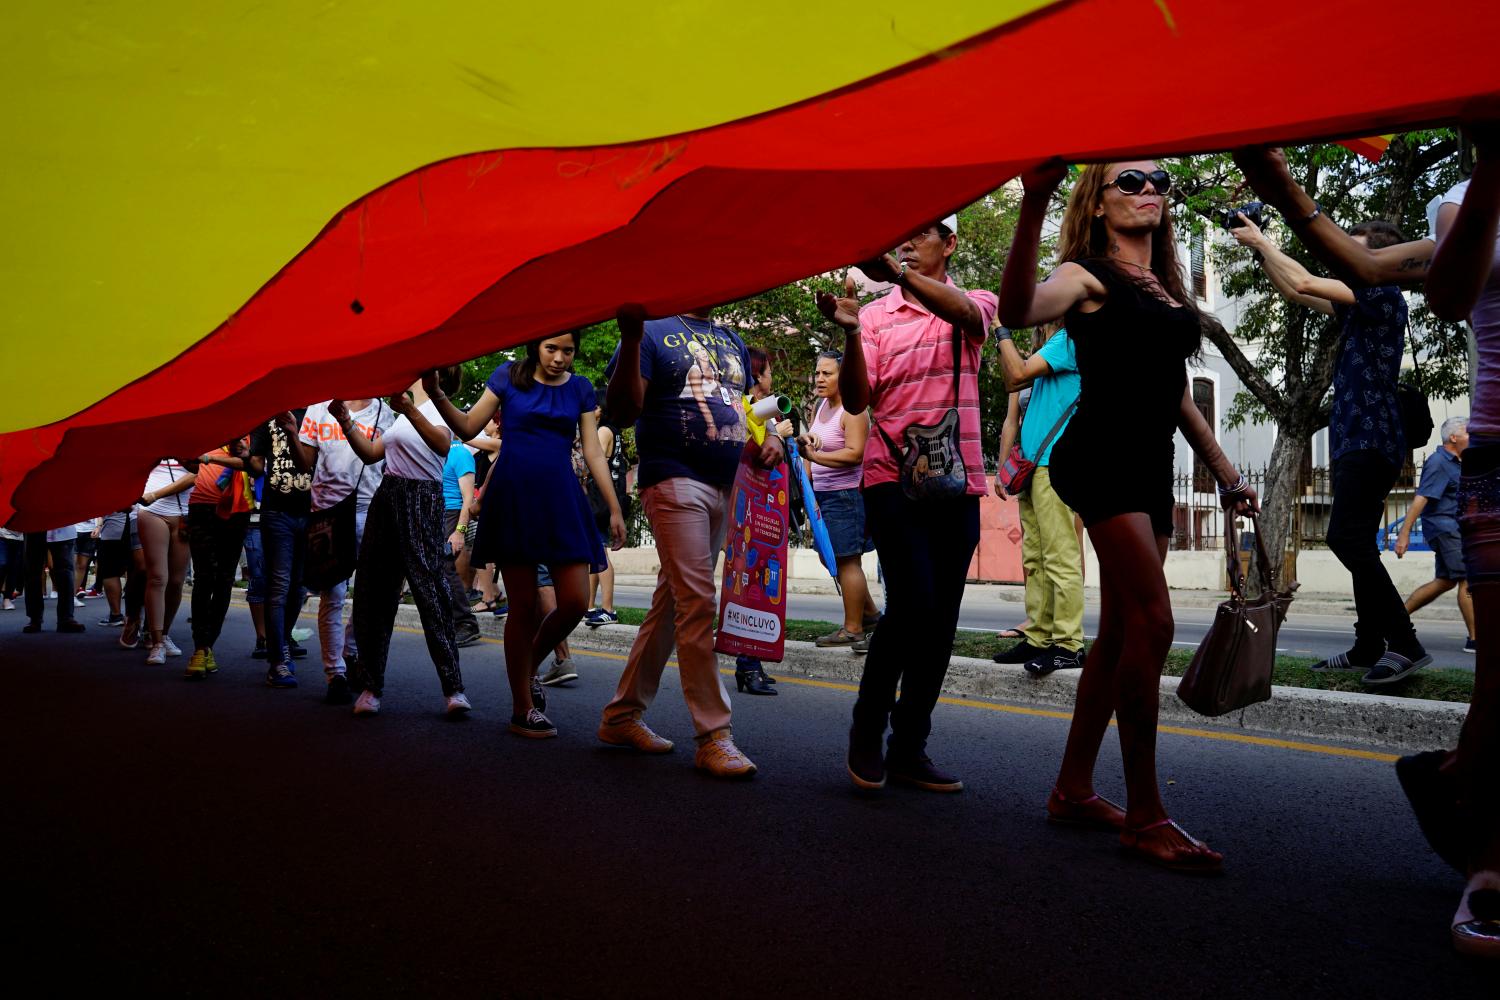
x,y
216,211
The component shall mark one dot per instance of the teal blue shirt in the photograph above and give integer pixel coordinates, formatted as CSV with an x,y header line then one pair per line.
x,y
1051,395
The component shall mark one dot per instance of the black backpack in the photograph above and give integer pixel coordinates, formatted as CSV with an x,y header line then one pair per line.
x,y
1411,400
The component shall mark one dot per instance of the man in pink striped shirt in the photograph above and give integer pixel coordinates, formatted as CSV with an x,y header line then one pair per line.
x,y
899,362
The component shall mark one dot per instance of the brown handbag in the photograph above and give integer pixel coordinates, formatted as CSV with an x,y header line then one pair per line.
x,y
1232,667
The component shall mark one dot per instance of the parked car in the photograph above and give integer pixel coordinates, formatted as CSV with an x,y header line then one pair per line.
x,y
1386,539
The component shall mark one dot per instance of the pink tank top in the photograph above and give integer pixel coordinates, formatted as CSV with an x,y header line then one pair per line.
x,y
828,425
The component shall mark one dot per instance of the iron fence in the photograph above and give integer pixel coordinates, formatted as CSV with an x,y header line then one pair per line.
x,y
1198,521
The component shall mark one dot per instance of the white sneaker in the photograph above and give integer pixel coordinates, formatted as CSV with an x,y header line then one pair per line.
x,y
9,605
158,655
366,704
78,603
457,704
172,650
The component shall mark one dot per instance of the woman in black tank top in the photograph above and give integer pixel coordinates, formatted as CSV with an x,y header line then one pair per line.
x,y
1134,327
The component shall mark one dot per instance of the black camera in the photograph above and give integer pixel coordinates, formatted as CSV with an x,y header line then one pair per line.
x,y
1254,211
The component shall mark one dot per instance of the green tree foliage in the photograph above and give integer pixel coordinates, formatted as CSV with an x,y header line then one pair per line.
x,y
1289,380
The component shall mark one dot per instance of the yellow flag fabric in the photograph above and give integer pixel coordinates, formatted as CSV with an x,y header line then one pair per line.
x,y
216,211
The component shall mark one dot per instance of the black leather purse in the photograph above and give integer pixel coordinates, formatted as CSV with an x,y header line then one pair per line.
x,y
1233,665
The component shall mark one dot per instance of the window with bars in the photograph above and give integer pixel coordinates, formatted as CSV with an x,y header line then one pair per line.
x,y
1203,398
1198,263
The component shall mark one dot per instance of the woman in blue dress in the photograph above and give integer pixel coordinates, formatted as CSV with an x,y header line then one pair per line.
x,y
534,512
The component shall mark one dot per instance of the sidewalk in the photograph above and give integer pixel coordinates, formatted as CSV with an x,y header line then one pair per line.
x,y
1404,724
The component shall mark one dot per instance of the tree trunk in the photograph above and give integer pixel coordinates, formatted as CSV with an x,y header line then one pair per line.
x,y
1278,497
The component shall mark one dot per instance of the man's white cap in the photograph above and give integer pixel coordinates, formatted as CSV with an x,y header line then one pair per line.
x,y
952,222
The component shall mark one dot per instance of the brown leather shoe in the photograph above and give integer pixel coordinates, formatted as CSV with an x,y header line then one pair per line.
x,y
635,734
718,755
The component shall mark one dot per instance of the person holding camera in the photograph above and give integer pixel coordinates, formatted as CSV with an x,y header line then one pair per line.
x,y
1366,443
1453,793
911,358
1120,289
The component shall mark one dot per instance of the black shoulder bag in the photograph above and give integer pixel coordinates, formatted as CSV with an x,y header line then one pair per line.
x,y
1411,400
332,542
932,467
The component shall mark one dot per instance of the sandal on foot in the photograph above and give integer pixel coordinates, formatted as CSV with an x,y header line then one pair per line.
x,y
1014,632
1092,813
1434,800
1188,863
484,606
1476,924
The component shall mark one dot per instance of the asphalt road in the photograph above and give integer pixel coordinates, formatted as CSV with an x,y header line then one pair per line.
x,y
1303,634
222,838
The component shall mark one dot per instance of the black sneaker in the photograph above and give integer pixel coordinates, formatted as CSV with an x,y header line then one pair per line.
x,y
865,762
1054,658
338,691
259,652
468,639
112,621
919,772
538,696
1394,667
295,649
533,725
1019,653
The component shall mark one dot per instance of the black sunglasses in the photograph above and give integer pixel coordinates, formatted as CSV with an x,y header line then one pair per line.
x,y
1133,181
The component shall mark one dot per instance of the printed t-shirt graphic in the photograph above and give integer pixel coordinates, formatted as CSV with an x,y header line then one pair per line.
x,y
338,468
287,489
692,423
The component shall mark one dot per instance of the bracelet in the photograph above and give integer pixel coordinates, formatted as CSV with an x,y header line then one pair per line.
x,y
1238,486
1296,223
462,529
1002,333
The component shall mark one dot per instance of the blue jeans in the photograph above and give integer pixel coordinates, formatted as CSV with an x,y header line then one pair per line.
x,y
283,539
255,567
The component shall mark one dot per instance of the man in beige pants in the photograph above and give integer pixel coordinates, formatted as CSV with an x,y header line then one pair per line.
x,y
682,381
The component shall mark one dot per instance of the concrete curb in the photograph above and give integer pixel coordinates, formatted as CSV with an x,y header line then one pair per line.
x,y
1009,593
1333,716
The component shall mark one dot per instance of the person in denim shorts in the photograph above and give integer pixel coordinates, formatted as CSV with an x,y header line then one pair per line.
x,y
835,445
1436,504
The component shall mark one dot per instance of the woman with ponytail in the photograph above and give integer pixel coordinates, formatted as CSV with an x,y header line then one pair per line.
x,y
534,512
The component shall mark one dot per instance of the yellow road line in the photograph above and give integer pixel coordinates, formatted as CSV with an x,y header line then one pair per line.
x,y
1205,734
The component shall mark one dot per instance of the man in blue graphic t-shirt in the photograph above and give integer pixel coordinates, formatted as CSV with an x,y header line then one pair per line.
x,y
682,381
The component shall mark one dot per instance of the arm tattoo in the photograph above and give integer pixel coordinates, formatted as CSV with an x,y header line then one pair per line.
x,y
1413,263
